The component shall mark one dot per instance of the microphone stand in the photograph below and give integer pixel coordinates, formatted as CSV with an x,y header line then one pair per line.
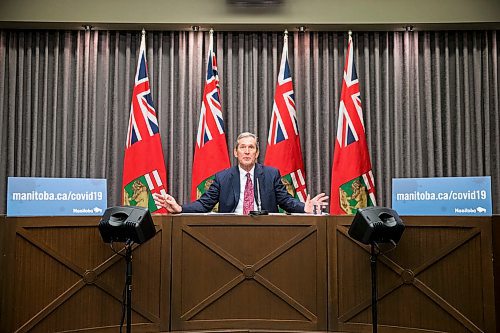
x,y
259,211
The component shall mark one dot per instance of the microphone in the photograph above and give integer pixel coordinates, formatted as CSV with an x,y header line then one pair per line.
x,y
259,211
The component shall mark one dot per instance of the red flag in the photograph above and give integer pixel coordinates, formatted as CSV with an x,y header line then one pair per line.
x,y
210,153
283,144
352,178
144,170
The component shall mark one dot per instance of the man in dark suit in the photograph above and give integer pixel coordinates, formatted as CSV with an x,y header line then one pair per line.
x,y
231,187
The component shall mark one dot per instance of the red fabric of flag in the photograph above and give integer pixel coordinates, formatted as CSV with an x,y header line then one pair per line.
x,y
210,153
144,171
283,144
352,178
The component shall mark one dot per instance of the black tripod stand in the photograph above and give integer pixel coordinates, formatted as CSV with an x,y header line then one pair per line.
x,y
373,266
128,224
375,225
128,286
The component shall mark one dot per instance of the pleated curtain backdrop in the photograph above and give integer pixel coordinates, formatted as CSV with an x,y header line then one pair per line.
x,y
430,101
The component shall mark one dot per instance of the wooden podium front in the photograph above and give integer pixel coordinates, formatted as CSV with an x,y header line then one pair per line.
x,y
264,272
438,279
230,273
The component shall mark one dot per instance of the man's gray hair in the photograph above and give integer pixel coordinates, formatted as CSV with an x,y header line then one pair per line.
x,y
246,135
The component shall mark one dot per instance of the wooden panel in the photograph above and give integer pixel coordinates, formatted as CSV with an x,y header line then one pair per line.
x,y
496,263
7,238
265,272
249,274
64,278
438,279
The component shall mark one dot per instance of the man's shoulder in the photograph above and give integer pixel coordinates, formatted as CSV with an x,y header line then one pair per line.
x,y
223,174
267,169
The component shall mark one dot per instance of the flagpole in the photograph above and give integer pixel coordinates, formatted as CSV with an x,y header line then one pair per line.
x,y
283,151
143,43
285,46
373,265
211,43
210,121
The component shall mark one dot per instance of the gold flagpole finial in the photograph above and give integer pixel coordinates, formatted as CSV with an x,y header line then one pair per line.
x,y
143,32
350,32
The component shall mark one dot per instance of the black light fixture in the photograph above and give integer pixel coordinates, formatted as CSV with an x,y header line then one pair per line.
x,y
255,3
374,225
408,28
127,224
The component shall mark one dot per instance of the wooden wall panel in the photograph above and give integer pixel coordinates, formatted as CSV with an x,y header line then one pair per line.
x,y
64,278
439,278
495,221
7,256
265,272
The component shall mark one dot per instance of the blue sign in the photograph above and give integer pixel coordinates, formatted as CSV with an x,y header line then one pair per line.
x,y
30,196
464,196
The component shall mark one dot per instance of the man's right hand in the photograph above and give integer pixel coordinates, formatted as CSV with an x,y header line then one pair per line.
x,y
168,202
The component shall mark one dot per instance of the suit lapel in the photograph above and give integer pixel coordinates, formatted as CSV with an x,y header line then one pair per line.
x,y
260,178
235,184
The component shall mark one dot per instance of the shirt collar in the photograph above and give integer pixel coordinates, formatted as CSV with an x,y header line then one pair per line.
x,y
243,173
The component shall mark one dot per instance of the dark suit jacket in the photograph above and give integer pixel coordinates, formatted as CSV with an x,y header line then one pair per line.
x,y
226,191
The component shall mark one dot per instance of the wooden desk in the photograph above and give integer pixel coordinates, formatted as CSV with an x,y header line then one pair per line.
x,y
265,272
60,276
236,273
438,279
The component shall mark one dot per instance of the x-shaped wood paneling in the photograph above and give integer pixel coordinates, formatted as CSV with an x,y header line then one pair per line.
x,y
410,276
86,276
249,272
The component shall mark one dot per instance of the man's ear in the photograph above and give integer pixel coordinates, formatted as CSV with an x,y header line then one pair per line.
x,y
235,153
258,152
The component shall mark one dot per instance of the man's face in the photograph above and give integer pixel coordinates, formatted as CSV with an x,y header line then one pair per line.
x,y
246,152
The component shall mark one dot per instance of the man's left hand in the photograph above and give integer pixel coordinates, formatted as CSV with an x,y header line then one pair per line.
x,y
319,201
